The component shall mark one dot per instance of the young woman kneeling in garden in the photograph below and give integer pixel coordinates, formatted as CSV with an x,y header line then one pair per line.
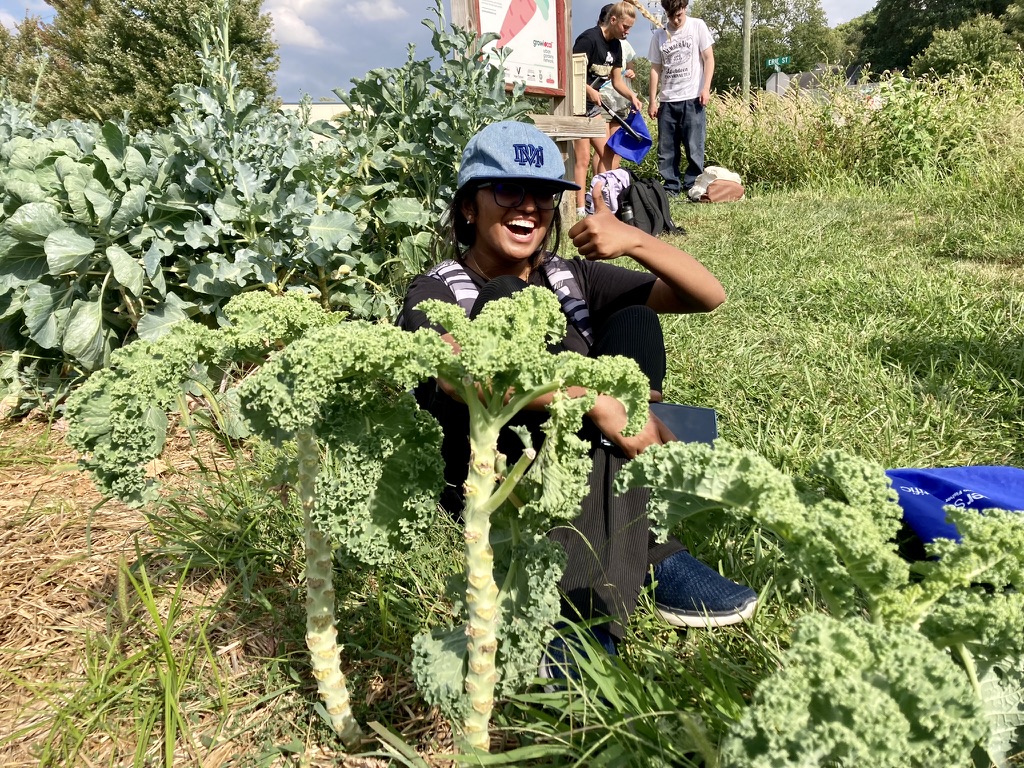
x,y
502,220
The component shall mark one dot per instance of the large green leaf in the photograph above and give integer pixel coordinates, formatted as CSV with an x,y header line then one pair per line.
x,y
28,154
135,166
32,222
246,180
127,270
114,139
41,316
160,319
25,262
406,210
336,230
414,251
133,205
74,185
227,209
24,185
68,249
152,260
83,333
101,198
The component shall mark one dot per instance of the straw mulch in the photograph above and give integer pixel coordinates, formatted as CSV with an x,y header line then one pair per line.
x,y
61,545
58,548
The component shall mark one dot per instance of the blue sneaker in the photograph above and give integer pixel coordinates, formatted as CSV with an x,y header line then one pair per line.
x,y
688,593
558,663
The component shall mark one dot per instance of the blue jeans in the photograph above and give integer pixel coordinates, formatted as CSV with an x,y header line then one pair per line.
x,y
682,127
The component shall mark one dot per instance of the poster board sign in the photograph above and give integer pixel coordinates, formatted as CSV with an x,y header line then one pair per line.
x,y
533,31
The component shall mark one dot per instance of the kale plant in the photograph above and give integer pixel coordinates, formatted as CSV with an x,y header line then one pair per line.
x,y
919,664
341,390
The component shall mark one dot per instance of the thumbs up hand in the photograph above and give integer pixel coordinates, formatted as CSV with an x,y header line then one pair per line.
x,y
601,235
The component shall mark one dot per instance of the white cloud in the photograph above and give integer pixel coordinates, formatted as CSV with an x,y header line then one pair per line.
x,y
290,29
7,20
377,10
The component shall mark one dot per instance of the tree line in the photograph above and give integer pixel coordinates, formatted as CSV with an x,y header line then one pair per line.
x,y
97,60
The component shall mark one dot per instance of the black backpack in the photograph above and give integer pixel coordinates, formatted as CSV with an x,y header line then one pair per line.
x,y
644,204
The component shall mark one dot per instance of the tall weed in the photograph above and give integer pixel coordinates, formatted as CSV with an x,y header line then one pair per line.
x,y
902,130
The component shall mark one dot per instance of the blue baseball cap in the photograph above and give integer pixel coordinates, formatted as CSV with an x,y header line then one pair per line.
x,y
515,151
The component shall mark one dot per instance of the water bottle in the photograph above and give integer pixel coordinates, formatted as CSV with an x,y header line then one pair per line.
x,y
626,213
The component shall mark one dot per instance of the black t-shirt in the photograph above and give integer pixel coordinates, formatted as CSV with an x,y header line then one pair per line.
x,y
602,57
605,287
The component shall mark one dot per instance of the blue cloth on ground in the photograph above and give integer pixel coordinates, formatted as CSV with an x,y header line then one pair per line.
x,y
632,147
924,494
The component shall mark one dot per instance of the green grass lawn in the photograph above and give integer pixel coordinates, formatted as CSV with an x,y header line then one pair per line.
x,y
859,319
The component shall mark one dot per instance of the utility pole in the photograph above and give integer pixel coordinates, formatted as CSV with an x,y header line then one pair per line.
x,y
746,50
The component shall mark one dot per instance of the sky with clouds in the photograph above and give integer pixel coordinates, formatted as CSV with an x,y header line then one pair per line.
x,y
325,43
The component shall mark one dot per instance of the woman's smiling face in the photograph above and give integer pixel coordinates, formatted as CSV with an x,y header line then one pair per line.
x,y
507,237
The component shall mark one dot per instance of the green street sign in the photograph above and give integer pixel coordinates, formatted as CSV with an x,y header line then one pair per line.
x,y
778,61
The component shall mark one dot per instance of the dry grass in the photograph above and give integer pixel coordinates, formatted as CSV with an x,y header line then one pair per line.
x,y
59,548
67,620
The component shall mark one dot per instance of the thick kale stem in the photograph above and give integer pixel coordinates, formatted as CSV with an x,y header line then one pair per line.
x,y
481,589
321,634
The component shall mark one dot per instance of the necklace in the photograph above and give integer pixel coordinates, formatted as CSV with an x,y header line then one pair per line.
x,y
475,265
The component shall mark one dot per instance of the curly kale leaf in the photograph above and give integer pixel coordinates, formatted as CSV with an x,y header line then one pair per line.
x,y
118,418
844,547
855,694
528,574
971,592
378,487
505,348
333,369
259,323
557,481
439,669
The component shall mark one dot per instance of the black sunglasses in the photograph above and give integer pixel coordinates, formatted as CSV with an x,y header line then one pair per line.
x,y
508,194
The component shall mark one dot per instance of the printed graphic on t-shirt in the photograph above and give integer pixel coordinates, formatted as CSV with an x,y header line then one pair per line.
x,y
677,63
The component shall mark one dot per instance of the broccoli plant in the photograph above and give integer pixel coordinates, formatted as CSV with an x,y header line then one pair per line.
x,y
919,663
341,390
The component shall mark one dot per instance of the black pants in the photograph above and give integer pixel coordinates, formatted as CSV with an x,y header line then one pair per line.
x,y
608,547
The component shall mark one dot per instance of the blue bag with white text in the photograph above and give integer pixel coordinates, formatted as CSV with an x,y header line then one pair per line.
x,y
924,494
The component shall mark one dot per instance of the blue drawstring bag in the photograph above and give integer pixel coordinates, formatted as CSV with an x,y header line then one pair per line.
x,y
632,141
924,494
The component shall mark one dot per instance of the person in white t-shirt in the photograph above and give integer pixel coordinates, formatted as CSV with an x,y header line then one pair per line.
x,y
682,65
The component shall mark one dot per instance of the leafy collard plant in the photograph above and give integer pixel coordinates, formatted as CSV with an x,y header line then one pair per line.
x,y
919,664
341,390
109,234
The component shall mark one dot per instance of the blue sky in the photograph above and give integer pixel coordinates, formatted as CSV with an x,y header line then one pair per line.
x,y
325,43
